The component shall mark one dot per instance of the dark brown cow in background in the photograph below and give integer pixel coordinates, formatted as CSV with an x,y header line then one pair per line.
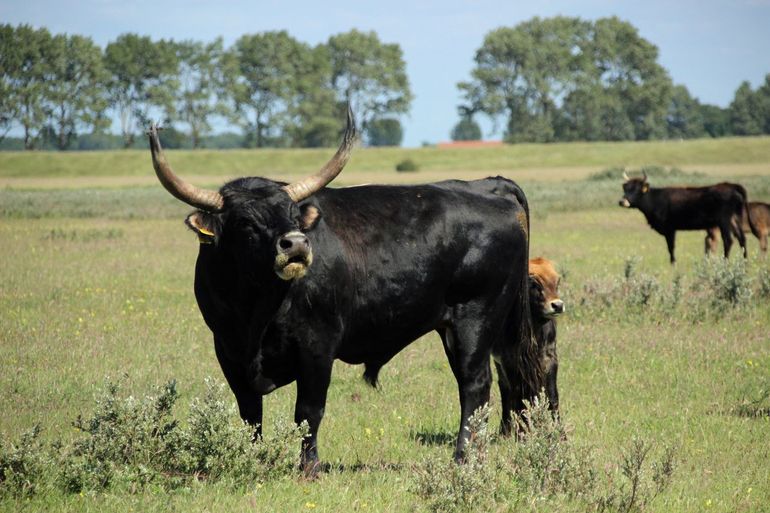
x,y
755,219
668,209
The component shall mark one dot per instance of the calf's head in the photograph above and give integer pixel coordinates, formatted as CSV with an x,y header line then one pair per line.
x,y
544,290
633,190
262,224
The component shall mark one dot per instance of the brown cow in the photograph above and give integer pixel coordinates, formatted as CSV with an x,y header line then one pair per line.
x,y
759,226
545,306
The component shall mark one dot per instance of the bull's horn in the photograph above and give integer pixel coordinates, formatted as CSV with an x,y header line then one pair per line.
x,y
644,175
625,176
309,185
203,199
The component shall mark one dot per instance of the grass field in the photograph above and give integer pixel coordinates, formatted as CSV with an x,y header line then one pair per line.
x,y
96,281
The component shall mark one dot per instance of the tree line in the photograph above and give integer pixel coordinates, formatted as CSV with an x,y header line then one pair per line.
x,y
568,79
60,89
544,80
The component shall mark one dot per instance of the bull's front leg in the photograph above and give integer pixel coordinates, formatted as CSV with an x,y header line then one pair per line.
x,y
249,401
312,386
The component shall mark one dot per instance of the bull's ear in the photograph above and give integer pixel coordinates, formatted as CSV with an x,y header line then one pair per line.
x,y
645,188
309,216
203,225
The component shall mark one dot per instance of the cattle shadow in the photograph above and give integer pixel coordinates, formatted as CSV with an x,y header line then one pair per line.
x,y
433,438
381,466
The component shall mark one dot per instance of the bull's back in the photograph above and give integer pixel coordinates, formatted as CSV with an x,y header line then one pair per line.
x,y
412,252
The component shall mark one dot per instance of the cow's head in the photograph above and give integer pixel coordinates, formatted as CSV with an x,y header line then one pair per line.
x,y
261,223
633,190
544,289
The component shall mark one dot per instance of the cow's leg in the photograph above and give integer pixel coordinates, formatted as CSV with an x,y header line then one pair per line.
x,y
727,238
763,242
551,372
470,344
671,242
711,240
312,386
738,232
249,402
507,395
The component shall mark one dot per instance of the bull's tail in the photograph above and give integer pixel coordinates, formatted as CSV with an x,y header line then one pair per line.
x,y
520,327
745,211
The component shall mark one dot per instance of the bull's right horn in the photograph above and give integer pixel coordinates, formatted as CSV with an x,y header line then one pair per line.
x,y
309,185
203,199
625,176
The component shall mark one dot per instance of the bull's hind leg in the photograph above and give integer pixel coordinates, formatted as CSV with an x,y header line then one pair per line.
x,y
468,345
727,239
735,224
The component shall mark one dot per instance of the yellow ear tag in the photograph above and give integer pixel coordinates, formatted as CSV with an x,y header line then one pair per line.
x,y
205,231
645,188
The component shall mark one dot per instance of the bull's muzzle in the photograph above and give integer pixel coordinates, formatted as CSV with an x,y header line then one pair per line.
x,y
293,256
624,203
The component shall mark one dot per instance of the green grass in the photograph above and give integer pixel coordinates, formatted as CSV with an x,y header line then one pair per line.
x,y
98,282
509,158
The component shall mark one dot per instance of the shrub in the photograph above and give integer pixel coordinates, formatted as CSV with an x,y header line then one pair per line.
x,y
21,464
407,165
726,282
447,486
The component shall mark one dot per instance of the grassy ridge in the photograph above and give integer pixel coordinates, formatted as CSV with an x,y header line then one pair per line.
x,y
272,162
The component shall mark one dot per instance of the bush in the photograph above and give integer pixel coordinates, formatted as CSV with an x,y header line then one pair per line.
x,y
407,165
135,442
727,282
447,486
21,465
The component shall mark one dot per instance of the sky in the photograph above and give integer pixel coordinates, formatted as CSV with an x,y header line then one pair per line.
x,y
710,46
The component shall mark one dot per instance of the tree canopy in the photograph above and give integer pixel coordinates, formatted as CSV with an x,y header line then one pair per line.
x,y
546,79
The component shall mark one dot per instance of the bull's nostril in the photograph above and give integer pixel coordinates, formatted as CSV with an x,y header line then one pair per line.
x,y
558,306
285,243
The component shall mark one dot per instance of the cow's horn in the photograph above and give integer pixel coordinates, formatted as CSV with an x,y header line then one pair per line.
x,y
300,190
644,175
203,199
625,176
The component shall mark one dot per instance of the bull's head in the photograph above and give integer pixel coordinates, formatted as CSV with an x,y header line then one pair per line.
x,y
544,282
633,190
262,222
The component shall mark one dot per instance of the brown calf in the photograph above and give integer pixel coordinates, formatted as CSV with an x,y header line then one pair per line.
x,y
760,226
545,305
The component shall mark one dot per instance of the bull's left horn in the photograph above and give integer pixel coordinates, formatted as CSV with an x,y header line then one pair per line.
x,y
203,199
625,176
304,188
644,175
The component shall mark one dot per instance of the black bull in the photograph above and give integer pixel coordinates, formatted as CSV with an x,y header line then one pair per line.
x,y
669,209
289,284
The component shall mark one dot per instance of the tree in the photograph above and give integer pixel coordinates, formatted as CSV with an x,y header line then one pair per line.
x,y
565,78
763,100
466,130
745,111
385,132
628,67
716,120
75,95
142,81
24,60
199,81
368,75
267,77
522,72
684,118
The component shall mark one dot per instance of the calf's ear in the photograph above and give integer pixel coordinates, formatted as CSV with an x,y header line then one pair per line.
x,y
309,216
203,225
